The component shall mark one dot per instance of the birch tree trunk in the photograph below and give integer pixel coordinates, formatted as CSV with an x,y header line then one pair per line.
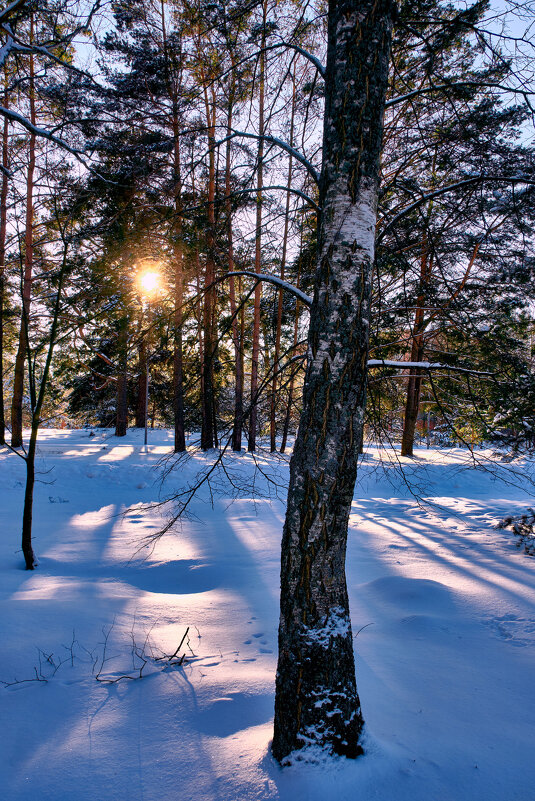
x,y
316,703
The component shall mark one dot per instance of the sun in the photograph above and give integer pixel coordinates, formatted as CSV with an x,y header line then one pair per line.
x,y
149,282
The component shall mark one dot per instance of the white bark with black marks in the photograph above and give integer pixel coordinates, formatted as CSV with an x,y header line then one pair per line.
x,y
317,704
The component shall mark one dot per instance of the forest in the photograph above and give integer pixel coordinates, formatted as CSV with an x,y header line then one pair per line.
x,y
266,269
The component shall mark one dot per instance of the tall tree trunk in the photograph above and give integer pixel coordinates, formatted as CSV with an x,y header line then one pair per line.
x,y
178,360
3,232
240,376
121,421
412,404
38,398
253,416
287,416
27,514
316,702
208,436
199,314
22,351
141,404
172,80
414,385
273,399
237,340
178,366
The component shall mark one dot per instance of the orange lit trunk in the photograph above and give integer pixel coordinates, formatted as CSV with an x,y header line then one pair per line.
x,y
253,419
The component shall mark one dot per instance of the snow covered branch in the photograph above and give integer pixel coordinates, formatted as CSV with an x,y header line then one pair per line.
x,y
459,84
7,12
313,60
424,366
273,279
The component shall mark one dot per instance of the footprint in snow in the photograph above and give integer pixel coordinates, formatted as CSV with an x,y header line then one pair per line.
x,y
518,631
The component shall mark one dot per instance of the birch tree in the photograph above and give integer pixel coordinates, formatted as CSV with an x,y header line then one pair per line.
x,y
317,704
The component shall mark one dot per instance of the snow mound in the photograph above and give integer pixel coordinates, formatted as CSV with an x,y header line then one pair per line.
x,y
411,595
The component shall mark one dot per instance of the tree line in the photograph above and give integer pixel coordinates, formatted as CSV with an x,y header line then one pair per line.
x,y
203,132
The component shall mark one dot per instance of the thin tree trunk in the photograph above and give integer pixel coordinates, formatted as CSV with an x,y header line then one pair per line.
x,y
22,351
37,405
178,359
416,378
208,437
237,340
27,514
121,422
240,369
288,414
3,232
414,385
253,416
316,702
412,404
178,366
141,405
273,400
199,319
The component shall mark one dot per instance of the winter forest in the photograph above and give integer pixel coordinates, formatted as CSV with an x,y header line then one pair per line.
x,y
267,409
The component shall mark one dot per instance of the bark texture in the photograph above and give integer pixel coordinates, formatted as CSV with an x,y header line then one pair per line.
x,y
317,704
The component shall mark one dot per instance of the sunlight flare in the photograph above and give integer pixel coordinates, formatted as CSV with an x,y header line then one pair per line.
x,y
149,282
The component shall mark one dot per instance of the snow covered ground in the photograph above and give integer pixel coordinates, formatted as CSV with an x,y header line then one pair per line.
x,y
443,604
